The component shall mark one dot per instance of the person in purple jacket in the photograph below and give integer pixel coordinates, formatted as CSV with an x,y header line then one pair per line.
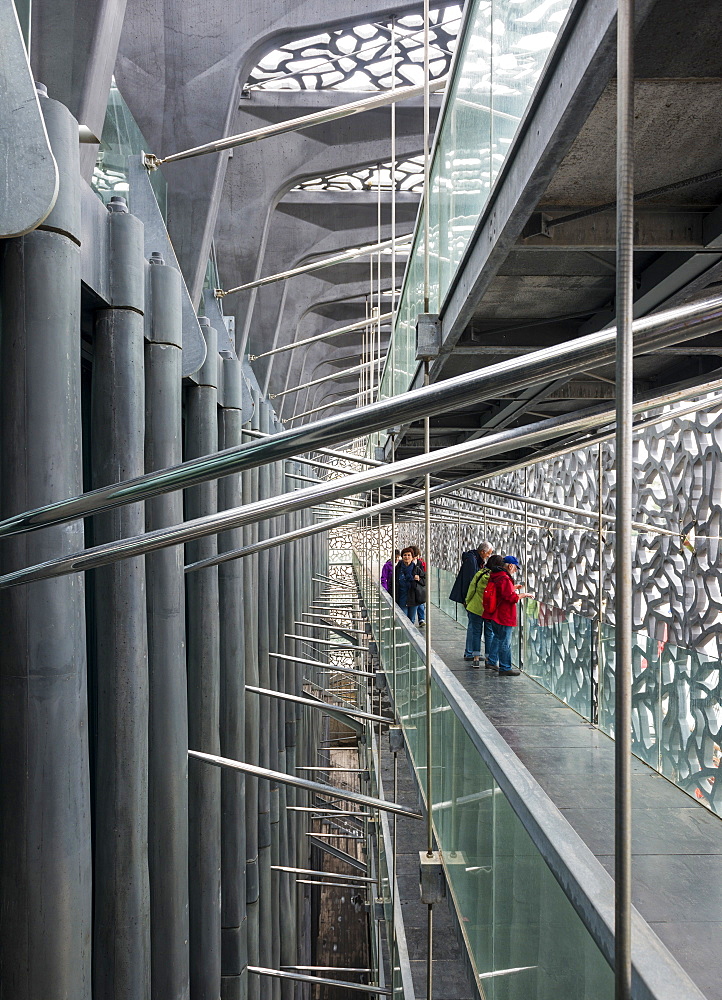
x,y
387,571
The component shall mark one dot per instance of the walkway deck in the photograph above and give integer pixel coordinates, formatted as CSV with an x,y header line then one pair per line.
x,y
677,842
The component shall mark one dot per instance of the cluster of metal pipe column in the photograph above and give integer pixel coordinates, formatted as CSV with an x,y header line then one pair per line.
x,y
125,870
45,840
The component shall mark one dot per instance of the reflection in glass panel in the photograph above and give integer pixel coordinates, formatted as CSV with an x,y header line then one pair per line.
x,y
23,8
690,722
504,48
558,653
122,138
524,938
646,719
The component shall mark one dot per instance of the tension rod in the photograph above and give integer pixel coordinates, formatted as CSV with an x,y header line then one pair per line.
x,y
152,162
349,328
311,786
317,265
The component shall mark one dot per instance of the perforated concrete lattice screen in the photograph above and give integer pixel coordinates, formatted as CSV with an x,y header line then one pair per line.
x,y
677,694
361,57
409,177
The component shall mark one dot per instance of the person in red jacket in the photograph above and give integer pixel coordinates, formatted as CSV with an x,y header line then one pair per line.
x,y
500,600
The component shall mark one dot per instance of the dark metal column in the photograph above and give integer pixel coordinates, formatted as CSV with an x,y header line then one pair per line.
x,y
253,709
202,626
287,682
267,793
624,506
276,580
45,849
168,719
121,931
234,957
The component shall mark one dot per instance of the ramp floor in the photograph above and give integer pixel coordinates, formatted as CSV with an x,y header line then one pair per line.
x,y
677,842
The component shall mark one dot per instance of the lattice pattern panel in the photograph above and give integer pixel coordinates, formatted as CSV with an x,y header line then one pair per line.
x,y
677,691
361,57
677,695
409,177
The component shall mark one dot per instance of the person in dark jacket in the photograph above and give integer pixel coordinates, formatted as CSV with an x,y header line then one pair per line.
x,y
471,562
422,607
410,583
501,597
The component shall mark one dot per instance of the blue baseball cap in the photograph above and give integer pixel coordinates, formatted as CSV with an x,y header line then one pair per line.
x,y
512,560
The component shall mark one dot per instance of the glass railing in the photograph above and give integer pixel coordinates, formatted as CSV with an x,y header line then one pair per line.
x,y
440,582
120,140
676,711
392,924
504,48
676,691
558,652
523,936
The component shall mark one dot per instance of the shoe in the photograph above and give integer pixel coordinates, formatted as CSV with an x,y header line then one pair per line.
x,y
509,673
468,657
475,661
421,624
492,666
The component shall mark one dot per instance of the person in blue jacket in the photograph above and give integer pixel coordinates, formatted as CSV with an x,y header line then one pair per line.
x,y
410,583
471,562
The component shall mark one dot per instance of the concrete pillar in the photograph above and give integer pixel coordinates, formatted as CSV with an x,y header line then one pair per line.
x,y
233,707
121,932
165,586
45,831
202,626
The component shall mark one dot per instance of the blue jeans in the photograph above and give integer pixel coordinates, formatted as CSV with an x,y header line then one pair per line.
x,y
411,612
498,651
473,638
473,635
421,608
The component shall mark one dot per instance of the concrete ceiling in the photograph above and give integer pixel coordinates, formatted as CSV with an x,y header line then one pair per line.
x,y
557,282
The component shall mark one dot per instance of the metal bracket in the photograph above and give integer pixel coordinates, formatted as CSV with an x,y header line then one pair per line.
x,y
455,858
150,161
538,225
379,911
432,883
428,336
396,739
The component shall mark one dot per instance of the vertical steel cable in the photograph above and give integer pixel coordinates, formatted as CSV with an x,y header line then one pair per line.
x,y
427,551
377,366
427,157
624,483
427,515
600,584
524,607
392,351
392,622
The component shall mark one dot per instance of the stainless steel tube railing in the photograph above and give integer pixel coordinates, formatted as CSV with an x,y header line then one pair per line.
x,y
672,326
493,444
